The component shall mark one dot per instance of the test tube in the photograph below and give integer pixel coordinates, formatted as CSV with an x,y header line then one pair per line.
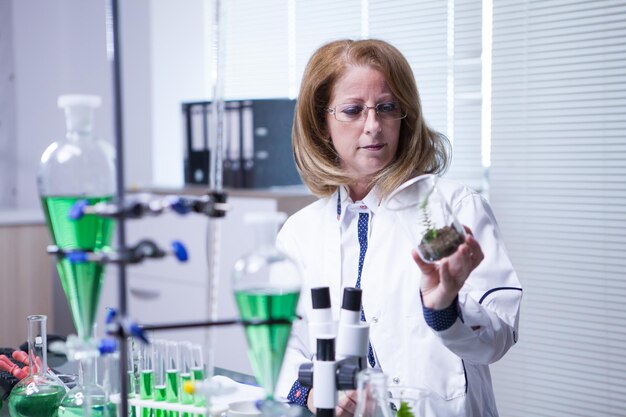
x,y
197,370
146,377
159,349
172,371
131,373
185,373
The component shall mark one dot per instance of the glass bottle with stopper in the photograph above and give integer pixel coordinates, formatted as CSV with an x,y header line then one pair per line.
x,y
79,167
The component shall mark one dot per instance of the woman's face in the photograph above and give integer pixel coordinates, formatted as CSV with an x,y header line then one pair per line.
x,y
365,146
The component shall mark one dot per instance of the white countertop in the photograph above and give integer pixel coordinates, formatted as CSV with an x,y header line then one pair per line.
x,y
20,217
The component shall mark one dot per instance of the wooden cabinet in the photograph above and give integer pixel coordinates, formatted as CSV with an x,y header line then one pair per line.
x,y
26,279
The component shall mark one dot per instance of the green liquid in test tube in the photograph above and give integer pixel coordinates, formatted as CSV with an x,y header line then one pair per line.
x,y
198,375
146,384
159,395
172,389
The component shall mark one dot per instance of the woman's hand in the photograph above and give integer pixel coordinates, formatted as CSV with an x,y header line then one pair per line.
x,y
346,403
442,280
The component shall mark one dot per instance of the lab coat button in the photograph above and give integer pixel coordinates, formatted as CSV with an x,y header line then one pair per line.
x,y
396,380
374,319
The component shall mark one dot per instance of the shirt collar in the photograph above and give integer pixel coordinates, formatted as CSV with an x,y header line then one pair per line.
x,y
372,201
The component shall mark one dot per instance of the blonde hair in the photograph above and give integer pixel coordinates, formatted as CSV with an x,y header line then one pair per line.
x,y
420,149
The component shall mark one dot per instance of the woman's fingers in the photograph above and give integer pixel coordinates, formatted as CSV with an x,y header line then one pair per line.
x,y
20,355
346,404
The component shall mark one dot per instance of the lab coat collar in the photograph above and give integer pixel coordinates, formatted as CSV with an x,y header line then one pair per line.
x,y
342,196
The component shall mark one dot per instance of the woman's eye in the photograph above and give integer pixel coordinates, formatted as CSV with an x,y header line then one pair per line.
x,y
387,107
351,110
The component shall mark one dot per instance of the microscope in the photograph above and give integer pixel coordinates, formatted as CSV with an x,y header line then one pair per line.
x,y
338,356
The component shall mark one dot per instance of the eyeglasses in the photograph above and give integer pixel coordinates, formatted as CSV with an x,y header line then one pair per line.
x,y
352,112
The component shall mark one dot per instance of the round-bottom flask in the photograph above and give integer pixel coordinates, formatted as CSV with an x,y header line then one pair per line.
x,y
37,395
426,216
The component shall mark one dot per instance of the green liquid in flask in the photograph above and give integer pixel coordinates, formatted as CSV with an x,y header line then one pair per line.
x,y
267,343
45,403
96,411
82,282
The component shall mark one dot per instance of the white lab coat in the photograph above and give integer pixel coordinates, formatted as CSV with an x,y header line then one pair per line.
x,y
452,364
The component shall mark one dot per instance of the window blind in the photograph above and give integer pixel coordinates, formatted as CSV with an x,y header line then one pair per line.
x,y
268,47
558,189
256,60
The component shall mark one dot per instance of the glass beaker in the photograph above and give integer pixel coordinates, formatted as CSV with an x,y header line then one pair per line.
x,y
266,284
372,394
425,214
78,167
37,395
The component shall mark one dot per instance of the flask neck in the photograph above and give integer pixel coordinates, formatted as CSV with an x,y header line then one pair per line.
x,y
264,234
79,122
37,345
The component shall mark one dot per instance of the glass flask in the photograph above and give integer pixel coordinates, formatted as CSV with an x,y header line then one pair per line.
x,y
425,214
372,397
78,167
266,284
410,401
37,395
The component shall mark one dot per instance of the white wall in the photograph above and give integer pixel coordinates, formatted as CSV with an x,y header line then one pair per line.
x,y
7,109
60,47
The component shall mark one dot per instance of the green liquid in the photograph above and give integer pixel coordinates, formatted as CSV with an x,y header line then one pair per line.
x,y
146,384
110,410
267,343
198,375
171,386
159,395
82,282
185,398
45,403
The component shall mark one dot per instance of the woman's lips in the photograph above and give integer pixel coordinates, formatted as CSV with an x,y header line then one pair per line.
x,y
374,147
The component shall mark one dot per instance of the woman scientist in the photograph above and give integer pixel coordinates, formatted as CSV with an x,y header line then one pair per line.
x,y
358,134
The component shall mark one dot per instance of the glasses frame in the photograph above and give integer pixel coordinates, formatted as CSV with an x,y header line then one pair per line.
x,y
365,112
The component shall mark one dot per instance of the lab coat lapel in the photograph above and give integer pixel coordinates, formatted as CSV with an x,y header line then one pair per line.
x,y
331,262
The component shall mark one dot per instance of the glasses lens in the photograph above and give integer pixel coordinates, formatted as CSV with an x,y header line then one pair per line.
x,y
389,111
352,112
349,112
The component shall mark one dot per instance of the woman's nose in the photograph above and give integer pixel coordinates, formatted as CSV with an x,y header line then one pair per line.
x,y
372,120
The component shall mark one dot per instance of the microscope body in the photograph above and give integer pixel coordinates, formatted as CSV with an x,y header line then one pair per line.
x,y
337,358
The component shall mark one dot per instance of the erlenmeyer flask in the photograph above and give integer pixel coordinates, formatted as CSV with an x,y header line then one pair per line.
x,y
37,395
372,395
425,214
267,286
75,168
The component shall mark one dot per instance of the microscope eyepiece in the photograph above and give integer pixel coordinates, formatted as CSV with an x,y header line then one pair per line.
x,y
320,297
351,299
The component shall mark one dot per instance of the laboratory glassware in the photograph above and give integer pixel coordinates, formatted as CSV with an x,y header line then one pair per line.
x,y
425,214
172,374
266,283
372,395
197,371
146,376
78,167
414,400
186,376
159,349
37,395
